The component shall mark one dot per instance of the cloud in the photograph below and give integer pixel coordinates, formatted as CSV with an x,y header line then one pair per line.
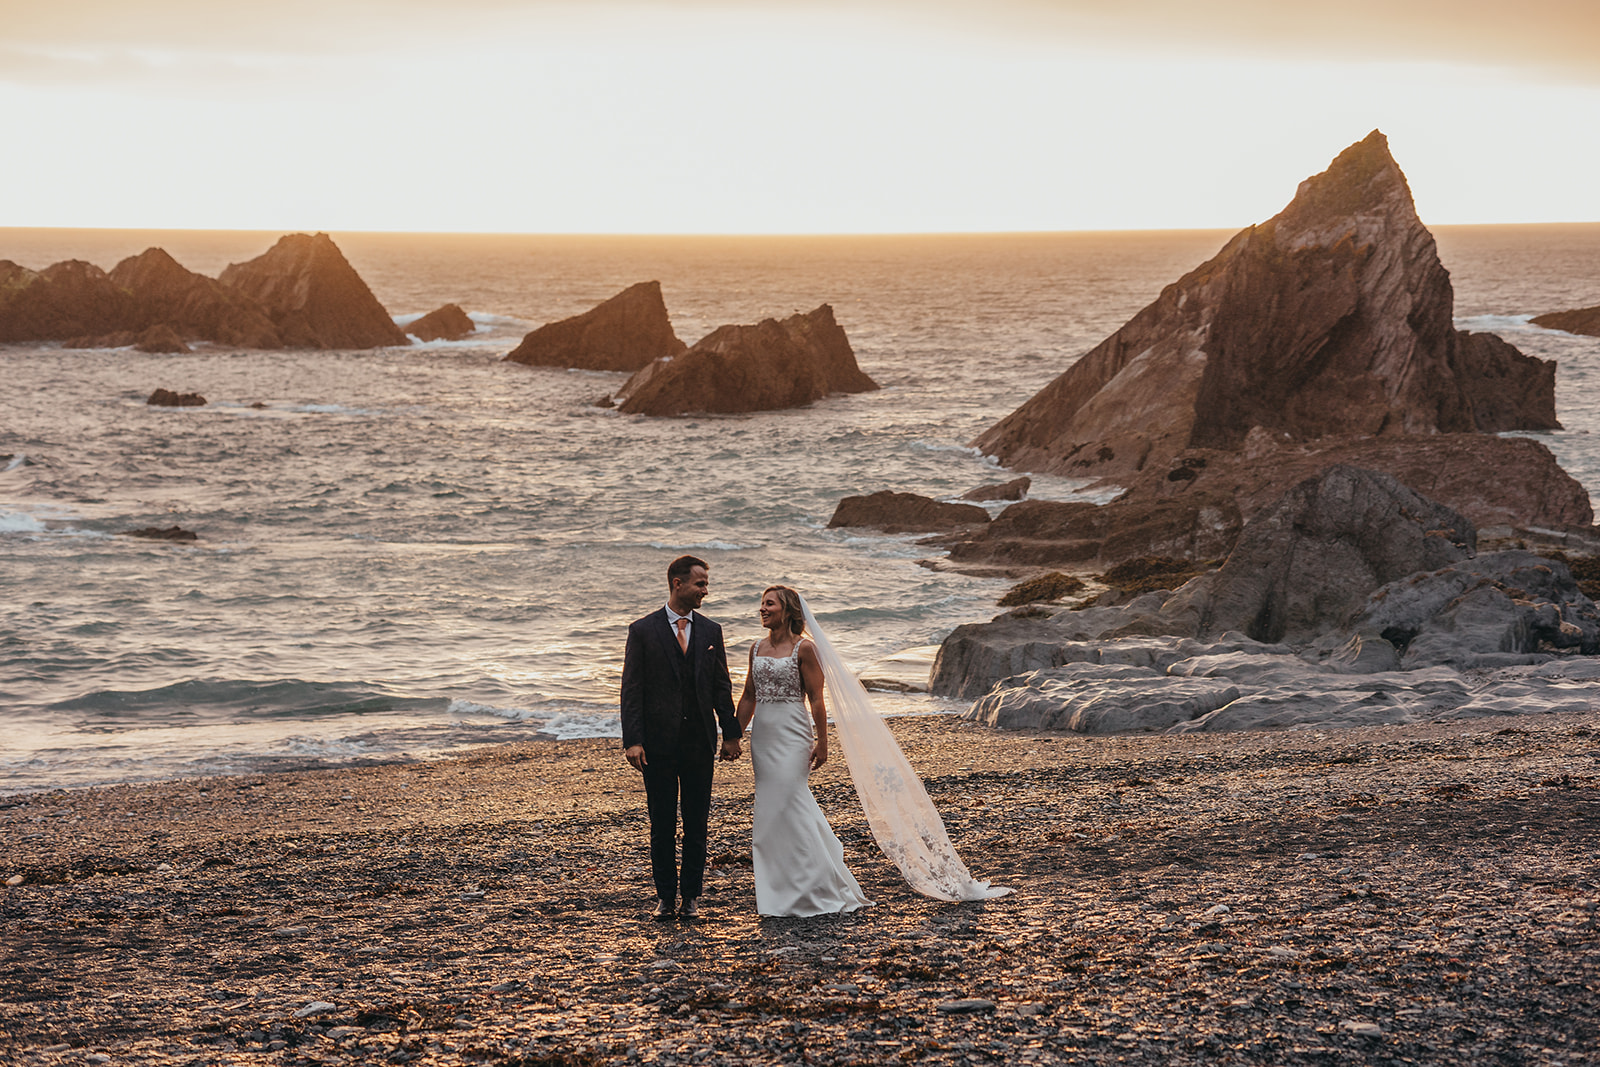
x,y
1547,38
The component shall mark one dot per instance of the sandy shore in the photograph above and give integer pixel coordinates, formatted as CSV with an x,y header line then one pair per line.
x,y
1421,894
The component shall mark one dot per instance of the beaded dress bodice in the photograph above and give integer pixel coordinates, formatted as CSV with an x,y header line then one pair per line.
x,y
777,678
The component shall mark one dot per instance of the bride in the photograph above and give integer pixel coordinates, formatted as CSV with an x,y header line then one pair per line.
x,y
799,863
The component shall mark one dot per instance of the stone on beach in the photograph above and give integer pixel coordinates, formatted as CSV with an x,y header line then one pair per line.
x,y
625,333
447,323
766,367
314,296
894,512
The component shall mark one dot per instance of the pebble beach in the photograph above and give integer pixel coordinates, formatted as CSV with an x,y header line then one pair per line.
x,y
1400,894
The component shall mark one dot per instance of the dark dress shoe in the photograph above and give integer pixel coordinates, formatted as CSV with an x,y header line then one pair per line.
x,y
663,909
690,909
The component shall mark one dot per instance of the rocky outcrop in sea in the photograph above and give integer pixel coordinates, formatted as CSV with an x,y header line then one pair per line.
x,y
1581,320
314,296
1332,318
766,367
625,333
302,293
904,513
447,323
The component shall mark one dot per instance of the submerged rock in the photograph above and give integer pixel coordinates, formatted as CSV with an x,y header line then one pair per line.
x,y
1582,320
167,398
1331,318
904,512
314,296
158,533
769,366
448,323
626,333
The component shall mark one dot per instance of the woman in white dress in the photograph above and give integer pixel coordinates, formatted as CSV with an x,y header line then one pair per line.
x,y
799,863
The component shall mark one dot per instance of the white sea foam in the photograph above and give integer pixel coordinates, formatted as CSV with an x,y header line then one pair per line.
x,y
562,725
703,546
16,461
17,522
1500,324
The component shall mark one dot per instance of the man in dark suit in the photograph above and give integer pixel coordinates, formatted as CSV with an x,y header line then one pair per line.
x,y
675,689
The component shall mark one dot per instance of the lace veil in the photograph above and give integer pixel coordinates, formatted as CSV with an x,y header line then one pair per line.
x,y
903,819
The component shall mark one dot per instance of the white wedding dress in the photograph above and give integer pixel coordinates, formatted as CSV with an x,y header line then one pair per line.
x,y
799,863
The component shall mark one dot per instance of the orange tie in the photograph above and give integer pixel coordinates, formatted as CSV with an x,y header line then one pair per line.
x,y
683,635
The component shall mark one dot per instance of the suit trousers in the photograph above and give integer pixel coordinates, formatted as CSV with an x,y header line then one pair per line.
x,y
679,775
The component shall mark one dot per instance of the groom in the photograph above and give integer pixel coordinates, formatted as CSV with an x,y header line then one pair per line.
x,y
675,688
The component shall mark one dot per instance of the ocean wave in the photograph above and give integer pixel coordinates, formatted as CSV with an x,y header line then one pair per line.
x,y
18,460
1500,324
17,522
562,725
238,699
703,546
946,446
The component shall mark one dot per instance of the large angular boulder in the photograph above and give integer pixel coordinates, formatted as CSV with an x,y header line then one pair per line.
x,y
765,367
1306,565
1581,320
448,323
65,300
627,332
189,305
1331,318
314,296
904,512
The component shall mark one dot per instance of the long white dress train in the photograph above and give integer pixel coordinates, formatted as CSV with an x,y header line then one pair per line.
x,y
799,863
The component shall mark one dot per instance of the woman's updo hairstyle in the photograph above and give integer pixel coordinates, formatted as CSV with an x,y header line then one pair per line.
x,y
789,600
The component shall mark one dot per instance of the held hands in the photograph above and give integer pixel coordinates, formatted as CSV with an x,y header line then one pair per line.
x,y
730,750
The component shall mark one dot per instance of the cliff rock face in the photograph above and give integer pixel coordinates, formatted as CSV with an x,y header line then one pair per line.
x,y
627,332
1333,317
765,367
448,323
313,296
1583,320
165,293
65,300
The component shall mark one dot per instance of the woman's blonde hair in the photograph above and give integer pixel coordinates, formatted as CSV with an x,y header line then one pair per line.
x,y
789,600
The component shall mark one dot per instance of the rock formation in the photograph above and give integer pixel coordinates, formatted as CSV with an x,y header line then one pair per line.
x,y
1583,320
765,367
1331,318
160,338
65,300
1015,489
904,513
1308,563
192,306
313,296
167,398
159,533
626,332
448,323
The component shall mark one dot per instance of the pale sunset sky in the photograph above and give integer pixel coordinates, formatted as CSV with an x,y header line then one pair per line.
x,y
782,116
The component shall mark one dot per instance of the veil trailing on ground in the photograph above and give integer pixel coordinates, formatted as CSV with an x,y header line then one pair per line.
x,y
903,819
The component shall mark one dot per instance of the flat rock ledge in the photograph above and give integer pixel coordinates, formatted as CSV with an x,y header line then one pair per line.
x,y
1379,894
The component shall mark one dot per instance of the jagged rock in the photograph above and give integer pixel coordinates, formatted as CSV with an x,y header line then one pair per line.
x,y
160,338
1480,611
626,332
1331,318
904,512
1582,320
1015,489
1089,698
158,533
1050,586
313,296
1050,533
165,293
166,398
448,323
765,367
1493,481
1306,565
65,300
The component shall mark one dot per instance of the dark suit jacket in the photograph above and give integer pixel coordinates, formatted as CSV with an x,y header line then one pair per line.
x,y
653,690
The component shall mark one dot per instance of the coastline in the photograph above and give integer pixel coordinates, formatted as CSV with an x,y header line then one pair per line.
x,y
1420,892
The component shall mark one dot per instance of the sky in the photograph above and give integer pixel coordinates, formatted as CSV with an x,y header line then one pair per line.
x,y
782,116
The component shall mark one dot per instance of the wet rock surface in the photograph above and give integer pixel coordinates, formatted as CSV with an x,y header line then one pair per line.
x,y
447,323
1406,894
894,512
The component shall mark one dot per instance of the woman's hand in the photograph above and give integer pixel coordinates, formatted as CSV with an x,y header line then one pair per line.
x,y
819,752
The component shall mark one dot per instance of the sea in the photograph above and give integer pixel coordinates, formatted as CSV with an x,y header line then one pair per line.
x,y
410,552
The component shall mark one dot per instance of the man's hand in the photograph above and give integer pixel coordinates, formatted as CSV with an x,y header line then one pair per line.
x,y
635,756
730,749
